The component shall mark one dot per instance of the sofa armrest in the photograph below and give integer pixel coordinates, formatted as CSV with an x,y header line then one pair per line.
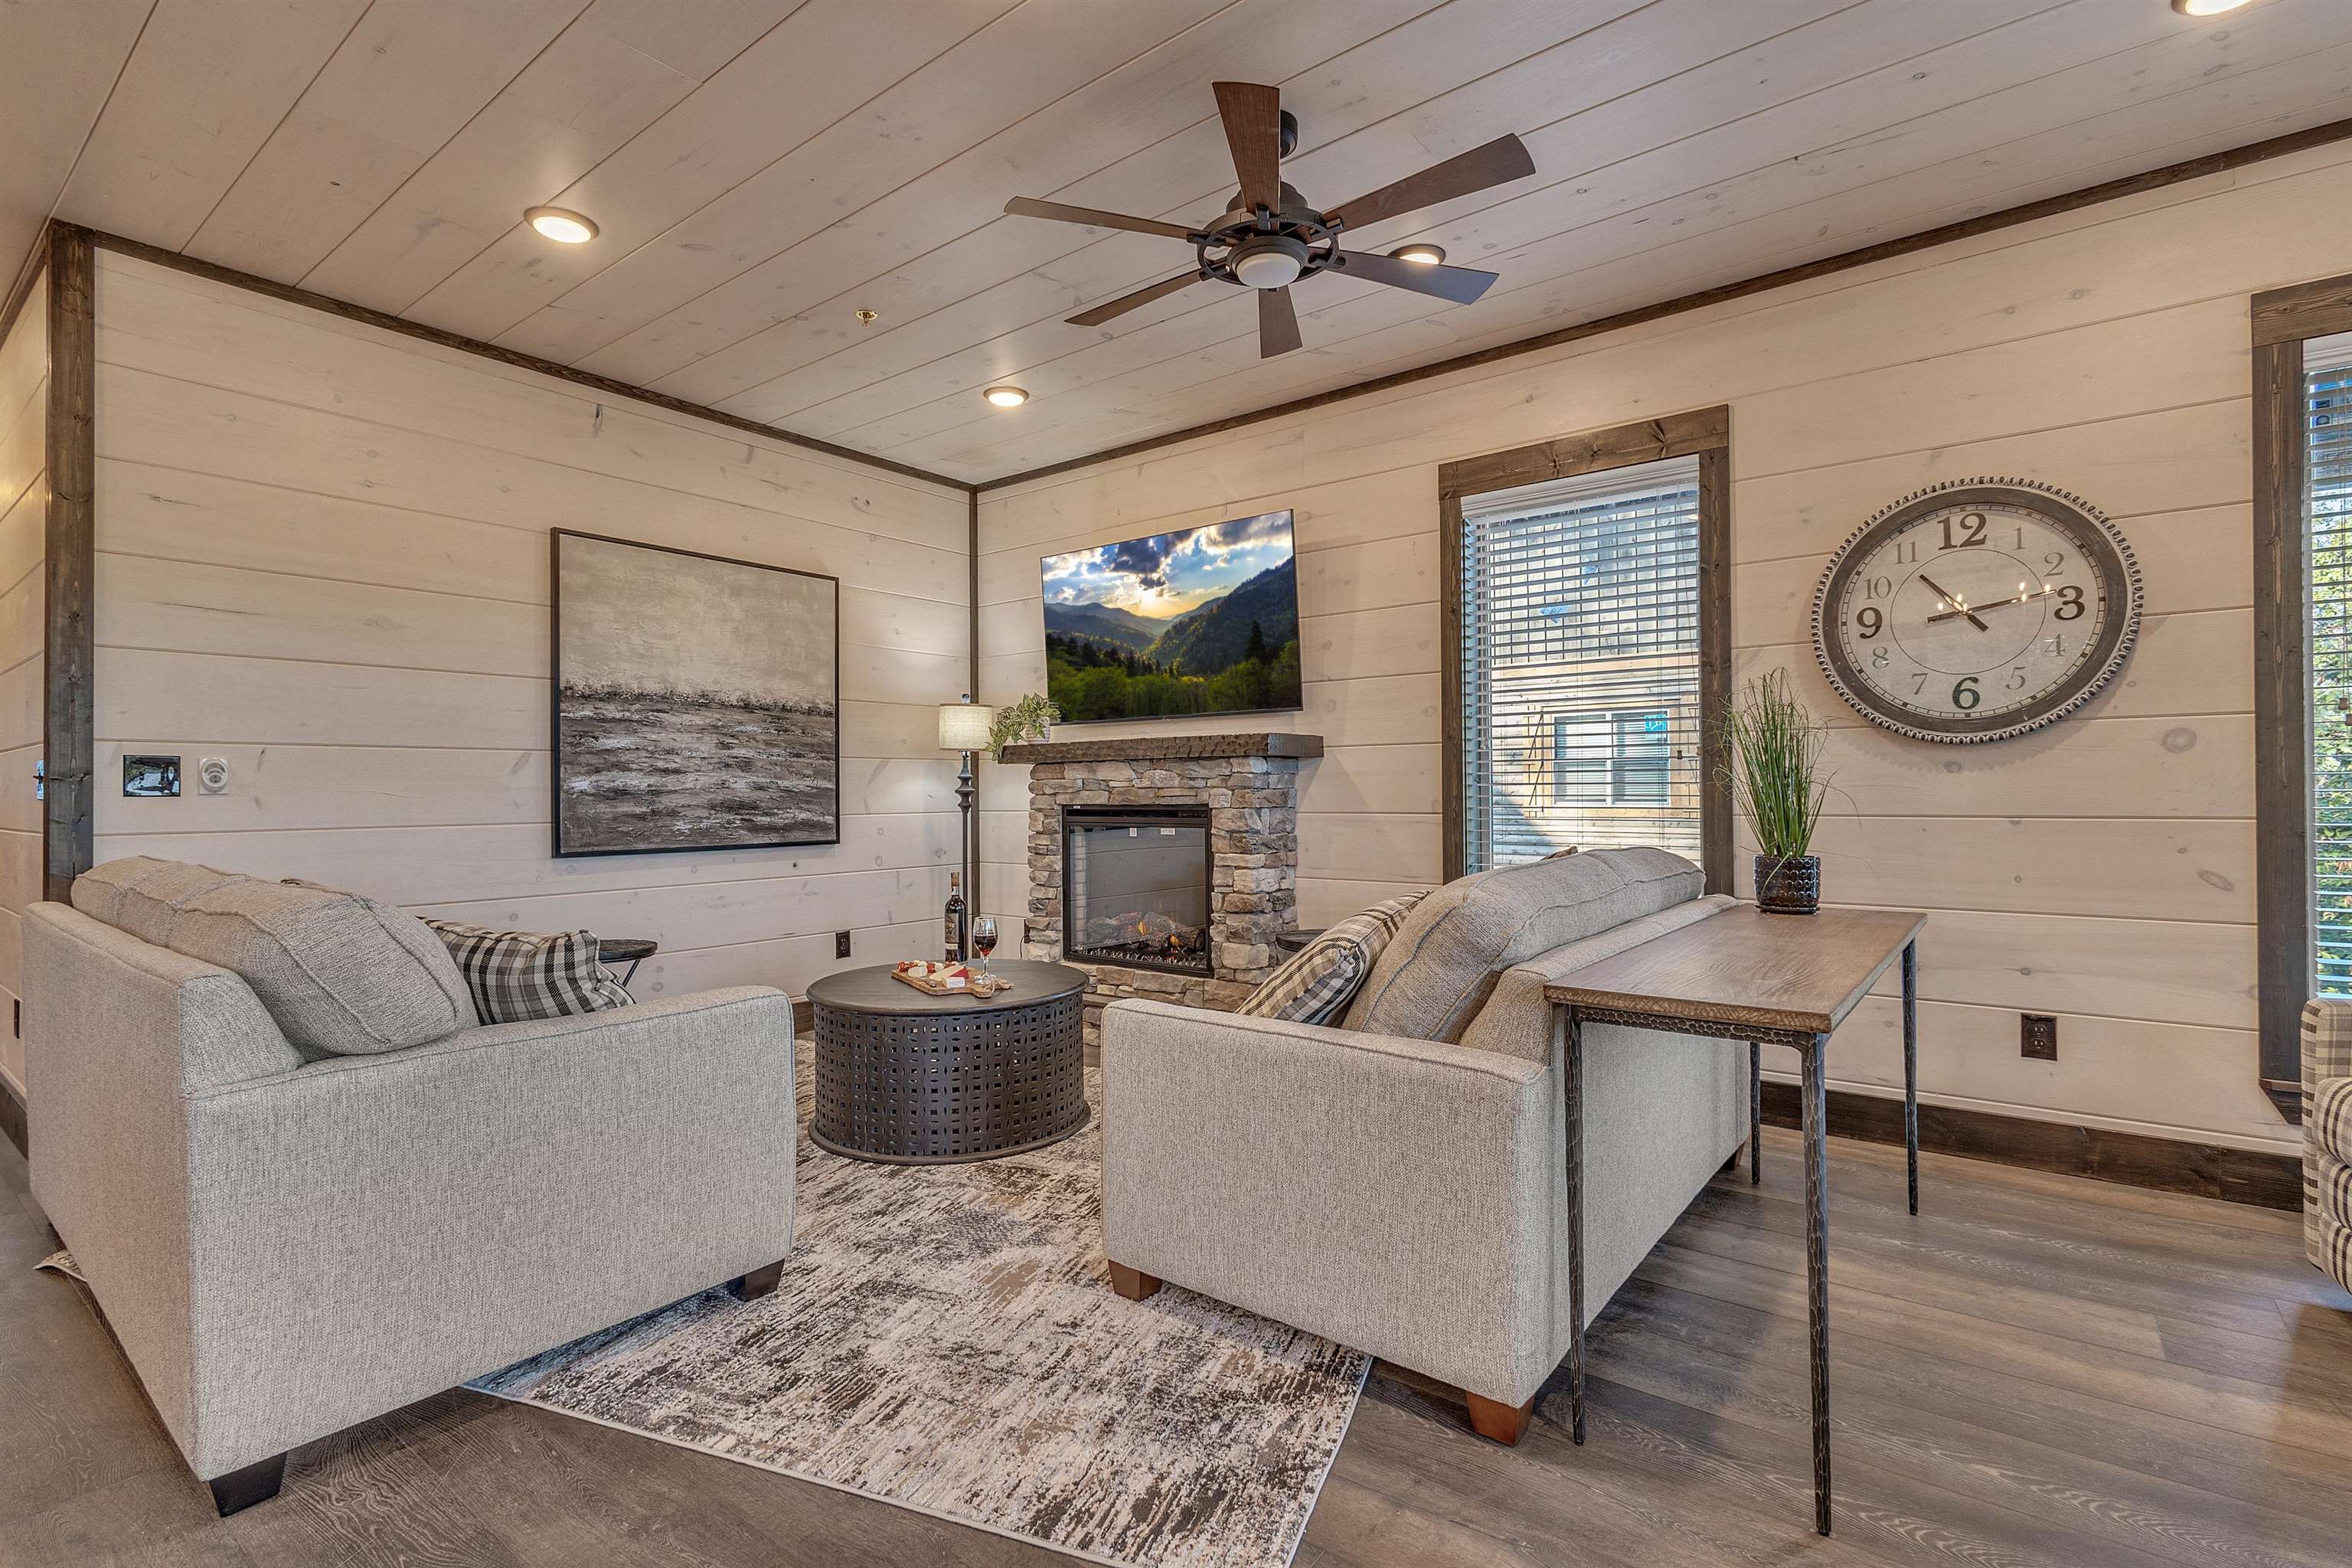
x,y
1255,1161
2326,1045
371,1229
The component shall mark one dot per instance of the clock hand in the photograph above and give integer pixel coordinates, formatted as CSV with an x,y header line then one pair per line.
x,y
1950,598
1995,605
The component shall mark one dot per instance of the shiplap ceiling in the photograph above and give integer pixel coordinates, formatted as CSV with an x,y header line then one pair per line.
x,y
763,169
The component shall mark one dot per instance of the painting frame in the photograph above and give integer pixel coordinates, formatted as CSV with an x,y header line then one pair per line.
x,y
558,848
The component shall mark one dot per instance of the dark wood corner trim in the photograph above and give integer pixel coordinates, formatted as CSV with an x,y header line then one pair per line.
x,y
2008,217
2306,311
1704,431
13,1124
418,330
69,564
2128,1158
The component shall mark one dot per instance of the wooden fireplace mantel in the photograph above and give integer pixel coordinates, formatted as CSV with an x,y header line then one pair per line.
x,y
1148,748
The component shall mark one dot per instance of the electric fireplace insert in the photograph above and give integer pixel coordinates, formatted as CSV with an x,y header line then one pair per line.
x,y
1135,886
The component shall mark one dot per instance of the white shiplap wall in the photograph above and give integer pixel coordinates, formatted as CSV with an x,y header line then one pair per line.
x,y
2102,870
23,524
323,555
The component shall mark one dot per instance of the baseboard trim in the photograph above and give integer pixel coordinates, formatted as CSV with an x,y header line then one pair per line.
x,y
12,1118
2128,1159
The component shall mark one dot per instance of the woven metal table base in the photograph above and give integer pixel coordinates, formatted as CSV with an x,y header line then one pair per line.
x,y
939,1088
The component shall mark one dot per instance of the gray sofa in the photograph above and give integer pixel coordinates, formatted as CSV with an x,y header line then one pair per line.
x,y
289,1239
1399,1183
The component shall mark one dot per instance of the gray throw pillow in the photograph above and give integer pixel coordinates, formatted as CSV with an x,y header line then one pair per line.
x,y
518,976
1321,977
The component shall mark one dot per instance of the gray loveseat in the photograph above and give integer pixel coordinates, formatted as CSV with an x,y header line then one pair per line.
x,y
310,1197
1399,1183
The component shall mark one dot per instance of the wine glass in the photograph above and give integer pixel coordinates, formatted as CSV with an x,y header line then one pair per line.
x,y
984,941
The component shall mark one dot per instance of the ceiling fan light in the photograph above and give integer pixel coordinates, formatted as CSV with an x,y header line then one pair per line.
x,y
2205,7
1269,263
561,225
1425,254
1006,396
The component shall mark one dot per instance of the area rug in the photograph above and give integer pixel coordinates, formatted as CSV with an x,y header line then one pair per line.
x,y
945,1339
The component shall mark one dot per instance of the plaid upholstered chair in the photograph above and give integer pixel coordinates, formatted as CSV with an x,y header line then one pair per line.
x,y
2327,1137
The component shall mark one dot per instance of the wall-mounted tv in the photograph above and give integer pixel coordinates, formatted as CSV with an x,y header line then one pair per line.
x,y
1202,620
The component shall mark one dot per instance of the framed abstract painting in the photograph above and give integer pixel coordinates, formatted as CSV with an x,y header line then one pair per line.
x,y
696,700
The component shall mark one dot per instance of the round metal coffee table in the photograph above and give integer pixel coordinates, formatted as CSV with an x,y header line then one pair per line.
x,y
914,1080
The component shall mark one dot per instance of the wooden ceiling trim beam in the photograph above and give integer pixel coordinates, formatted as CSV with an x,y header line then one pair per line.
x,y
516,357
2009,217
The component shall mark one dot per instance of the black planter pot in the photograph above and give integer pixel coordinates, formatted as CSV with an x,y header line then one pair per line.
x,y
1790,886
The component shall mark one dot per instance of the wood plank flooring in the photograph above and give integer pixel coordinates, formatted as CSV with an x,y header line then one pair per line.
x,y
2040,1370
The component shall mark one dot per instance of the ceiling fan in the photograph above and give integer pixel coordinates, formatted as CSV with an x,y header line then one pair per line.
x,y
1271,237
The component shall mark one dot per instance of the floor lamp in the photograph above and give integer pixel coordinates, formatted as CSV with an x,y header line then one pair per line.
x,y
963,727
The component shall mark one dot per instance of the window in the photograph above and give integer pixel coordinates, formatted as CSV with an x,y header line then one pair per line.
x,y
1579,664
2327,554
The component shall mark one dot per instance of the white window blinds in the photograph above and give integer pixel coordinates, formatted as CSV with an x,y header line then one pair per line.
x,y
2327,513
1580,665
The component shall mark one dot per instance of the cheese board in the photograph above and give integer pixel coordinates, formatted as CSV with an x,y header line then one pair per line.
x,y
948,979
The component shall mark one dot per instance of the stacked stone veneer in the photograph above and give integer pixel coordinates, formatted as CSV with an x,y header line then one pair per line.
x,y
1250,785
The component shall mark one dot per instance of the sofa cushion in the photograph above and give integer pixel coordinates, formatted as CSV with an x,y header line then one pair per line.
x,y
518,976
1326,973
2330,1124
342,974
1517,1019
1439,970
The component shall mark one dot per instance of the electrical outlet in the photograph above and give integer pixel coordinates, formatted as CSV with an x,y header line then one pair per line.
x,y
841,944
2037,1036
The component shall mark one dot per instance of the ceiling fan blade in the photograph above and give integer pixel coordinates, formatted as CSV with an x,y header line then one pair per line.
x,y
1459,284
1503,159
1278,324
1022,206
1097,315
1253,117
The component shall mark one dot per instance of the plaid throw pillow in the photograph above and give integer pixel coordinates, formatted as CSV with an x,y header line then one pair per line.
x,y
518,976
1313,986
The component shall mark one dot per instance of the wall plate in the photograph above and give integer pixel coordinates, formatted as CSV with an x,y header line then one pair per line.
x,y
151,777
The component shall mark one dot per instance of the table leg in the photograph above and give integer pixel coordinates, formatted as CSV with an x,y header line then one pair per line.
x,y
1570,1034
1755,1114
1911,1066
1817,1267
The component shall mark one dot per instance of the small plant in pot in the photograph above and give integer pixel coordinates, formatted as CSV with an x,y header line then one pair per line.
x,y
1772,747
1028,718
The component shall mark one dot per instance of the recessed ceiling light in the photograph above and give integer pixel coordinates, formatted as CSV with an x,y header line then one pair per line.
x,y
1427,254
559,224
2205,7
1006,396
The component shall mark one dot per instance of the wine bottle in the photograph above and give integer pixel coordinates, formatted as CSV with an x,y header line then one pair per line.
x,y
955,913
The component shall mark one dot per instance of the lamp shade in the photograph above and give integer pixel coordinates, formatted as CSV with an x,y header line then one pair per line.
x,y
964,726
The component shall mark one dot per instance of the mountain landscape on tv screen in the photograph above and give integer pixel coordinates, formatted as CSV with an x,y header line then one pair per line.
x,y
1202,621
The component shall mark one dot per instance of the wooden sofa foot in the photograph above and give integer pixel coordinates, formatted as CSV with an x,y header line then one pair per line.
x,y
1498,1422
1133,1283
258,1482
758,1283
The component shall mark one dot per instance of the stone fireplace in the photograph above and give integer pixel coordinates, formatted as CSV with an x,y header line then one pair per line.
x,y
1164,866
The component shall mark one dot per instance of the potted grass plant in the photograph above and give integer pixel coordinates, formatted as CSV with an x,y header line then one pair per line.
x,y
1772,752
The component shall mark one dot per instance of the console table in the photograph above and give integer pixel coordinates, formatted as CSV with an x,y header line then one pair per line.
x,y
1770,980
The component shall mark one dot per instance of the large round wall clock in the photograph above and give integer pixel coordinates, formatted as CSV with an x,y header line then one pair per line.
x,y
1976,610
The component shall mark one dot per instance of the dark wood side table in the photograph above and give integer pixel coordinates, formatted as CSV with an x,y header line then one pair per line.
x,y
1770,980
629,949
1296,939
909,1079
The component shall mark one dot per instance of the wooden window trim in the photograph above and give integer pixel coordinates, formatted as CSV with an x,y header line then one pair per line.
x,y
2281,319
1706,431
